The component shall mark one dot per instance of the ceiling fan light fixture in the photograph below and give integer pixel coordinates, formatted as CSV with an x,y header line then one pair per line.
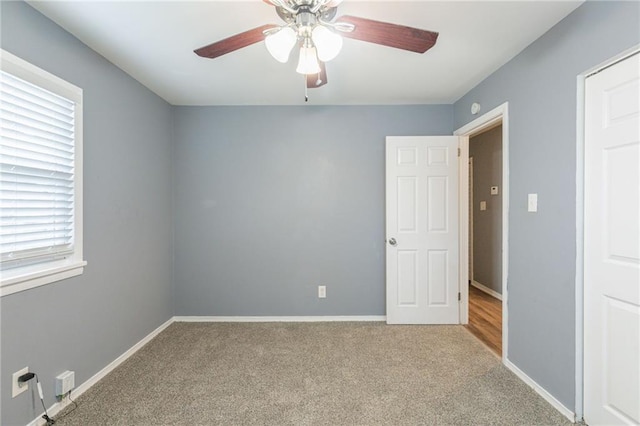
x,y
308,62
313,28
280,43
327,42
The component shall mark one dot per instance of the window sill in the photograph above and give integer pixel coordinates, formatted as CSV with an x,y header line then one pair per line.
x,y
20,279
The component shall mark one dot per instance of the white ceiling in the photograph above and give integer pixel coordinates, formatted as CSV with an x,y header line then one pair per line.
x,y
153,41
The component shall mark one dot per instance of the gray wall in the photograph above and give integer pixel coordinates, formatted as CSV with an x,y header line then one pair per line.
x,y
271,202
486,150
84,323
540,86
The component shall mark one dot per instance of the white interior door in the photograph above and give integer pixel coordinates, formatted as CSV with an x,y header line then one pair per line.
x,y
612,246
422,229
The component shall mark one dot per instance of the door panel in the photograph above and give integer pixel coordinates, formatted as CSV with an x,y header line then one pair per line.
x,y
438,282
407,204
407,277
422,222
612,246
437,204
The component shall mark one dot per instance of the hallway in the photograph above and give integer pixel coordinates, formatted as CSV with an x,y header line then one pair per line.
x,y
485,319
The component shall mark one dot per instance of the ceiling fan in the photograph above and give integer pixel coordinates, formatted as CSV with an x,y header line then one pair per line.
x,y
310,25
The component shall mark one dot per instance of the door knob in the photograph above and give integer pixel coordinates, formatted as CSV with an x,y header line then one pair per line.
x,y
392,241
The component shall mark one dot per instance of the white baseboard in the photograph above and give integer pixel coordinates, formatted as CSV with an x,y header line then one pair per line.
x,y
59,406
541,391
280,318
486,289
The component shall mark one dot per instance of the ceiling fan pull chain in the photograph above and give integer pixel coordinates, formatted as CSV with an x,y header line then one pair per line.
x,y
306,90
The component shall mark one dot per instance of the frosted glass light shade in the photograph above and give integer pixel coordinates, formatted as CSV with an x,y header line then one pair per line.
x,y
308,62
327,42
280,44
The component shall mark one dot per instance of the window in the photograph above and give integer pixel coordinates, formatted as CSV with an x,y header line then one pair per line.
x,y
40,177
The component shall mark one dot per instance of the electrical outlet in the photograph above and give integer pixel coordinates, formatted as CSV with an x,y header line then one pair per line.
x,y
18,388
322,291
65,382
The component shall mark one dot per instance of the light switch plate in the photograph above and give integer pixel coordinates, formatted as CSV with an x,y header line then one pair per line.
x,y
483,205
532,203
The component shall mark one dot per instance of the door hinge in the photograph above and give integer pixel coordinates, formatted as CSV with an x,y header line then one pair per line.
x,y
458,152
459,297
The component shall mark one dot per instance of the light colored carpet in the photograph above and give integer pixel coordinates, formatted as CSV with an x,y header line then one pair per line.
x,y
311,374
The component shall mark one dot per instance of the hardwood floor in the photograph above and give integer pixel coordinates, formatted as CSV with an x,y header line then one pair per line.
x,y
485,319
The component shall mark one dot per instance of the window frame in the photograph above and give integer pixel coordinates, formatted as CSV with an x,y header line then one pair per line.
x,y
29,276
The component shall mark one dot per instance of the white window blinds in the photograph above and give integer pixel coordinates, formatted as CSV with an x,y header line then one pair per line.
x,y
36,173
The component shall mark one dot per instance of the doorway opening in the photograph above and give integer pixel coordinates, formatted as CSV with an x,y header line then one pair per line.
x,y
485,237
485,302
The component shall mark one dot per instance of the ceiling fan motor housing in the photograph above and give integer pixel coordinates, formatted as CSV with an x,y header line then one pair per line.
x,y
290,16
305,21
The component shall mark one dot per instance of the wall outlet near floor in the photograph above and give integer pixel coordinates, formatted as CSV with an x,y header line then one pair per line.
x,y
18,388
65,382
322,291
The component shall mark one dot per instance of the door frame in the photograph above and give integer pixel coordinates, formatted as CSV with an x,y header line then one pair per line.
x,y
480,124
470,210
580,230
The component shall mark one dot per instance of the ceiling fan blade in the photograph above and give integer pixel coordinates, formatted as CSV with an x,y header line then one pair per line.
x,y
317,80
233,43
387,34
